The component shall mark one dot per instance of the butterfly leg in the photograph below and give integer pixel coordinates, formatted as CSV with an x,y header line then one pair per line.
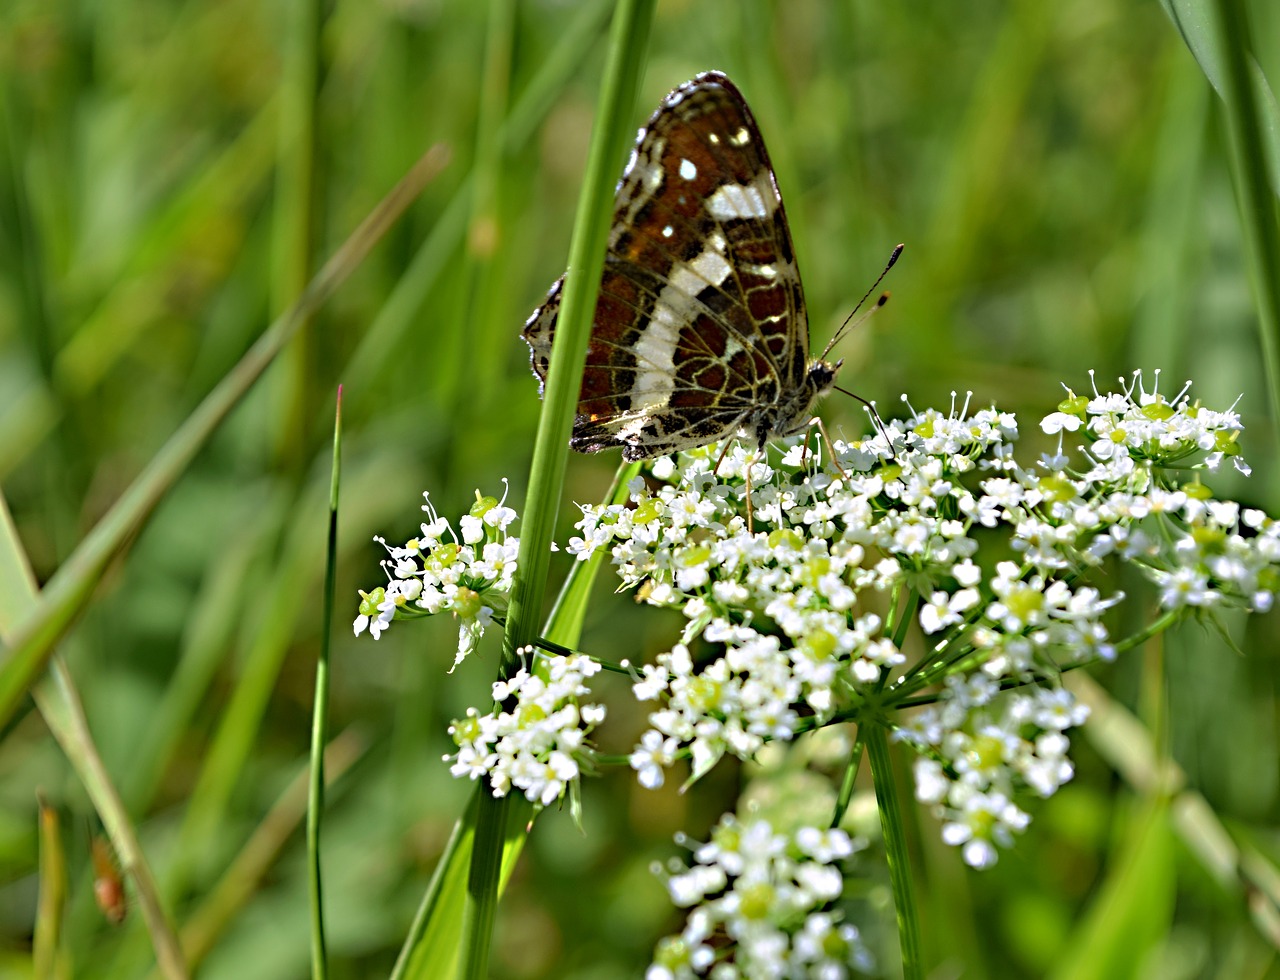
x,y
720,459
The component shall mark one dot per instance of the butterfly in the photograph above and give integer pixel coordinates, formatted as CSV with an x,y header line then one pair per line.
x,y
700,330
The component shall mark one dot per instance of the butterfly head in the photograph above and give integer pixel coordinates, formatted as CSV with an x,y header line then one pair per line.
x,y
792,413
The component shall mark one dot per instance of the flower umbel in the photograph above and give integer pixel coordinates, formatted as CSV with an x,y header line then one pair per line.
x,y
930,541
761,906
467,572
794,621
535,739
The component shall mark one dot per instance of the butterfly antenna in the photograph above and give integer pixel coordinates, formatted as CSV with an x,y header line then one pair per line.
x,y
876,420
884,298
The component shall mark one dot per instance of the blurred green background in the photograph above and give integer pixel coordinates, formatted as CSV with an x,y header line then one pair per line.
x,y
171,174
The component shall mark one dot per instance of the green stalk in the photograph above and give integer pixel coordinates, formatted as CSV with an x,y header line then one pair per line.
x,y
1257,202
299,196
47,933
850,778
895,847
320,715
613,127
62,710
60,706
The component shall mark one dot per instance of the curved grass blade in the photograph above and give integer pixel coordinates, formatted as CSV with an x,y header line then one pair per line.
x,y
59,704
1218,34
66,592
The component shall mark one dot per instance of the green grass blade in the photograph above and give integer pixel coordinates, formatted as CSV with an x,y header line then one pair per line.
x,y
431,948
53,894
60,706
613,128
1257,200
73,583
299,195
320,715
1218,34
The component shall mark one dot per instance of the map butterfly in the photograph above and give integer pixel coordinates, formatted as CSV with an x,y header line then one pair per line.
x,y
700,329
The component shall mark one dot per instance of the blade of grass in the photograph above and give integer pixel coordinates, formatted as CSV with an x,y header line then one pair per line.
x,y
613,127
1218,35
1257,201
59,704
1205,35
320,715
53,894
243,875
295,232
74,582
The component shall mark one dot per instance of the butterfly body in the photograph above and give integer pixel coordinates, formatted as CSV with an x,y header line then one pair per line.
x,y
700,330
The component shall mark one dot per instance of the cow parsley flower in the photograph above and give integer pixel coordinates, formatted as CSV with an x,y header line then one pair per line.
x,y
467,572
761,906
536,737
796,578
925,579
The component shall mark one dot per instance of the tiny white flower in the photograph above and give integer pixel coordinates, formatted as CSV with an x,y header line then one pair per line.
x,y
1060,421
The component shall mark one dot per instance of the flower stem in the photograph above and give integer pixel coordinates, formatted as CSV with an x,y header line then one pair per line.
x,y
320,716
895,845
850,777
1147,632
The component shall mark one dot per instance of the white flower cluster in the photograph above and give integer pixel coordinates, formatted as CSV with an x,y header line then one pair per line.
x,y
539,744
979,752
466,572
1129,427
1200,551
798,604
770,895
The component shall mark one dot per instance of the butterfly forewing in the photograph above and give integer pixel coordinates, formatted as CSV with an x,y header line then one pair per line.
x,y
700,328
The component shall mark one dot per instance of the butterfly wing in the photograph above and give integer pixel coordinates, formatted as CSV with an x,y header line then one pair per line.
x,y
700,318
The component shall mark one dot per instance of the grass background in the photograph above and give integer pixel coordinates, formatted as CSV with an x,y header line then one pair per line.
x,y
170,174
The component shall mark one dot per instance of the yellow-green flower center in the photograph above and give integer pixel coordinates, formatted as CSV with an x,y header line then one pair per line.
x,y
467,603
1024,602
756,900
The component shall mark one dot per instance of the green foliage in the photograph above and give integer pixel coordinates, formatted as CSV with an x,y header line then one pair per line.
x,y
170,175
